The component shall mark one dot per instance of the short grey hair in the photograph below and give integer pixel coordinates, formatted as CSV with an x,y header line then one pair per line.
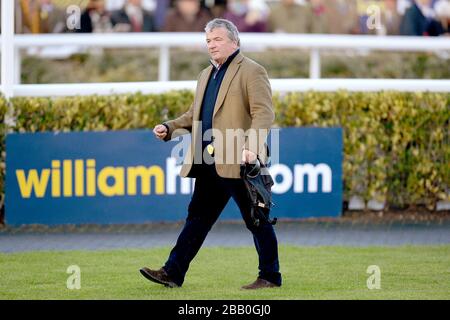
x,y
232,30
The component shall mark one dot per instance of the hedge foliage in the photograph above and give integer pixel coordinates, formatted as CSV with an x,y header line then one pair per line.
x,y
396,145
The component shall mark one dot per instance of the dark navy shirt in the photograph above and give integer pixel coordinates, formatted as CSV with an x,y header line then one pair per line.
x,y
210,97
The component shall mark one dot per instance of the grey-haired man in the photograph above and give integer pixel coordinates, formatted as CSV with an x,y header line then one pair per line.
x,y
233,93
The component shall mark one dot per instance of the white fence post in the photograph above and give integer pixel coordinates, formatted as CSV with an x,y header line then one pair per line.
x,y
164,64
7,46
314,64
17,66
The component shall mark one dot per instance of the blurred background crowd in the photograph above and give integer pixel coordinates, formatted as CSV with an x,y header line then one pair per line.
x,y
377,17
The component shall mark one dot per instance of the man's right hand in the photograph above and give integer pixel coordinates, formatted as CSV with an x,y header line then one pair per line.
x,y
160,131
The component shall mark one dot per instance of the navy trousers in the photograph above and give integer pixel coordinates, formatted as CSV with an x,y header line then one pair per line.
x,y
211,194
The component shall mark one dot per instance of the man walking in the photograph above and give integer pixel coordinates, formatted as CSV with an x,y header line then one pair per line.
x,y
229,121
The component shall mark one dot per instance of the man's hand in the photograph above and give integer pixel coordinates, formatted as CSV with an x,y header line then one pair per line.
x,y
160,131
248,156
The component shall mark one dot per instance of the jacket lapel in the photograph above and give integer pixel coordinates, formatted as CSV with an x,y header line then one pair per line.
x,y
226,82
201,92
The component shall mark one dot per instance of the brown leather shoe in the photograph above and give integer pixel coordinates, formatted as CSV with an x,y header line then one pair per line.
x,y
260,284
159,276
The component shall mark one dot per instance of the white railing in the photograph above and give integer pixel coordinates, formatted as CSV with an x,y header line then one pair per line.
x,y
278,85
11,45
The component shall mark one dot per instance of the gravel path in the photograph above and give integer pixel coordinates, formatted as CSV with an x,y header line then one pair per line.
x,y
223,234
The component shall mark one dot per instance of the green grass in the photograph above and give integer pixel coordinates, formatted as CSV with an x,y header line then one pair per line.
x,y
409,272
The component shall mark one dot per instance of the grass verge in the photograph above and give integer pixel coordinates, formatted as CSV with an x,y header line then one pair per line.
x,y
407,272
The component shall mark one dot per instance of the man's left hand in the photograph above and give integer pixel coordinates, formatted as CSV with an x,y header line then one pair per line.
x,y
248,156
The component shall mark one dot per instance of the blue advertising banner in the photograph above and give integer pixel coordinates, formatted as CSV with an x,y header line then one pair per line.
x,y
130,177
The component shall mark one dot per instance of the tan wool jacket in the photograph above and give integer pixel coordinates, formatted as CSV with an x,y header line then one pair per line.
x,y
242,117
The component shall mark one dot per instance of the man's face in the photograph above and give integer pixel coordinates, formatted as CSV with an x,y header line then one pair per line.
x,y
424,2
98,5
220,46
188,7
391,4
288,2
316,3
136,3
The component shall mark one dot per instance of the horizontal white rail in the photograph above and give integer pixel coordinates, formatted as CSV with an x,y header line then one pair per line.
x,y
366,85
184,39
278,85
83,89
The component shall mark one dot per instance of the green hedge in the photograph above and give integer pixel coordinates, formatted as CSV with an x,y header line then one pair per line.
x,y
396,145
98,112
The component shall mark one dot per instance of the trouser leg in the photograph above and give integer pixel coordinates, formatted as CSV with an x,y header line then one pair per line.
x,y
264,235
208,201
